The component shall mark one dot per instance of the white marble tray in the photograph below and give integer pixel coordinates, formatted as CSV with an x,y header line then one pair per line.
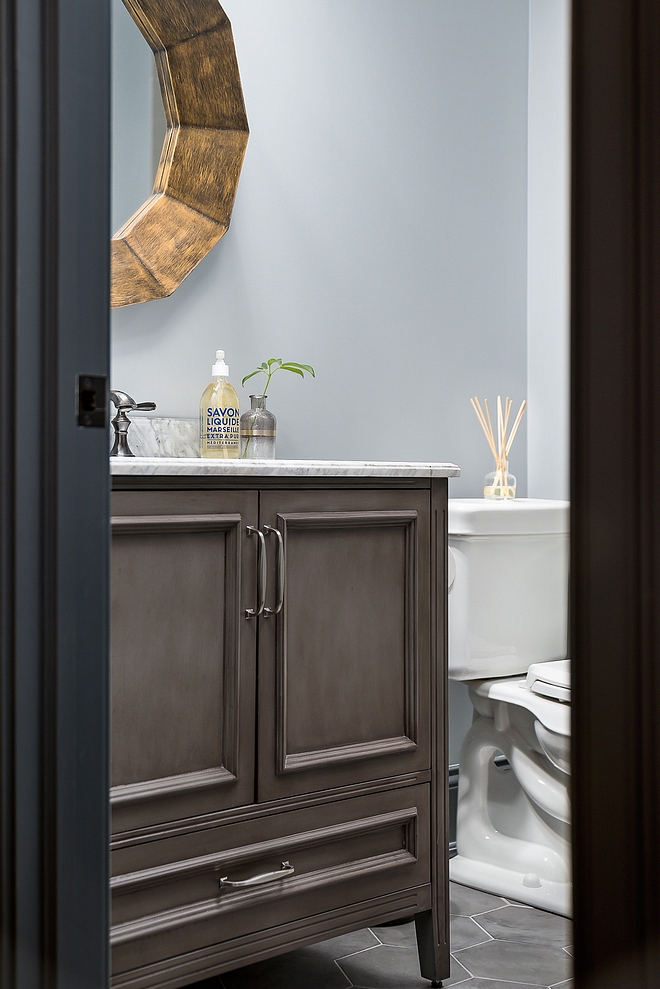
x,y
155,436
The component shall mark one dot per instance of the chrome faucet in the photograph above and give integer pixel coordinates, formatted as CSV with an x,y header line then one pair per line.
x,y
125,404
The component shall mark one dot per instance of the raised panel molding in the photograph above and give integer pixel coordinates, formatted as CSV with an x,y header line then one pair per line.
x,y
276,847
291,762
137,525
297,761
226,774
170,785
210,909
405,819
233,815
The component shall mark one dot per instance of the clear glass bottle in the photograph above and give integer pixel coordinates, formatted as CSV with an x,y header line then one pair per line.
x,y
258,429
219,415
500,484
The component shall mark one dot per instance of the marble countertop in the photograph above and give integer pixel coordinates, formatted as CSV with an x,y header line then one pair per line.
x,y
177,466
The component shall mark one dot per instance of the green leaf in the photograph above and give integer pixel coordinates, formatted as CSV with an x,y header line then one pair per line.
x,y
274,364
251,375
305,367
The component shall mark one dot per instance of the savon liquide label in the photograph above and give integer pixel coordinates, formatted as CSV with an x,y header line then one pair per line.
x,y
222,429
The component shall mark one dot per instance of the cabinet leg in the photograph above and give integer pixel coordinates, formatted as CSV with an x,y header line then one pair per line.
x,y
433,951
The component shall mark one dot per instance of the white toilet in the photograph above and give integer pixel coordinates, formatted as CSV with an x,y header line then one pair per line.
x,y
508,608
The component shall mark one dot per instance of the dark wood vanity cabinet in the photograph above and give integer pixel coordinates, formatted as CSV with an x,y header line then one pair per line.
x,y
278,778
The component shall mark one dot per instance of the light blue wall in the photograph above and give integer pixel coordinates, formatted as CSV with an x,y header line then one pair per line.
x,y
379,233
548,186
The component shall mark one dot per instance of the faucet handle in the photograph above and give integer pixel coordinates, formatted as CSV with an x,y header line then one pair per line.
x,y
122,401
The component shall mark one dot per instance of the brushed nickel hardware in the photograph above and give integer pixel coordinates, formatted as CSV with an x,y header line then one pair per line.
x,y
280,571
285,870
121,423
261,573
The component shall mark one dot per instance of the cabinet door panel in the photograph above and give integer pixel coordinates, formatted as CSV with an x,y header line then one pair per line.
x,y
344,668
331,588
182,657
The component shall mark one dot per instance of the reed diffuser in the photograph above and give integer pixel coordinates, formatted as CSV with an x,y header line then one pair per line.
x,y
499,484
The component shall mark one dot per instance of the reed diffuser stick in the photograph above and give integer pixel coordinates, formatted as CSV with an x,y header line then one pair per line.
x,y
515,427
499,444
507,414
490,425
484,425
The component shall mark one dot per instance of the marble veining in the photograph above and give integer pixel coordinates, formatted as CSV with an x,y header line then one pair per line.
x,y
172,466
161,437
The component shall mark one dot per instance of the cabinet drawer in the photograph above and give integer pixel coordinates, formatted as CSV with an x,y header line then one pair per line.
x,y
167,899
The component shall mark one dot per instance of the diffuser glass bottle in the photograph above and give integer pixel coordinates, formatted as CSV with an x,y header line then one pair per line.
x,y
500,484
219,415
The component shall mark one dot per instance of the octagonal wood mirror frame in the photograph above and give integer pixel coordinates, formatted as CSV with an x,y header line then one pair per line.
x,y
200,164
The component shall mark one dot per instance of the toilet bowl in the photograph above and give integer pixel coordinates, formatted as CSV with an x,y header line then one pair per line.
x,y
507,641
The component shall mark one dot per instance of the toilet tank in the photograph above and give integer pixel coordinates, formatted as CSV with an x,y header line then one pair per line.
x,y
508,600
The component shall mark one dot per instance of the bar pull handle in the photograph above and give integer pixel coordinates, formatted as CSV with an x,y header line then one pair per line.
x,y
268,529
266,877
261,573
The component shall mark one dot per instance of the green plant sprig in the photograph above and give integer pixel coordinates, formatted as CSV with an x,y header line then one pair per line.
x,y
275,364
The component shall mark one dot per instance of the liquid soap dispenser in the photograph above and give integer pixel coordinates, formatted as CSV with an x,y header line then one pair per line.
x,y
219,414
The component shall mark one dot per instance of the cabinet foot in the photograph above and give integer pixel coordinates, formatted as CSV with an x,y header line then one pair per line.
x,y
432,950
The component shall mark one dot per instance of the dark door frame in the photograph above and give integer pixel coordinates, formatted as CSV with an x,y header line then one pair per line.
x,y
54,237
615,482
54,321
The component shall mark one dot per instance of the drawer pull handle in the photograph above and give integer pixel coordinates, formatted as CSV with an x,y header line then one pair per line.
x,y
280,571
266,877
261,573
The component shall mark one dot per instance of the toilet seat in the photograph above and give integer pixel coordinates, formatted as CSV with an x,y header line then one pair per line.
x,y
551,679
554,714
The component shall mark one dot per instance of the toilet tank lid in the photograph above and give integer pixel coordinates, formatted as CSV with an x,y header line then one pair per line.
x,y
522,516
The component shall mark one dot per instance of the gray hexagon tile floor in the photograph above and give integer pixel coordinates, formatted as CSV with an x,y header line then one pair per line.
x,y
496,944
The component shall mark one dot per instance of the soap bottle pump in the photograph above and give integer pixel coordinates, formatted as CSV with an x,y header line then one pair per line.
x,y
219,414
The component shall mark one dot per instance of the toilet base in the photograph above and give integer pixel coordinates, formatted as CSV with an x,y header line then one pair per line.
x,y
552,896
